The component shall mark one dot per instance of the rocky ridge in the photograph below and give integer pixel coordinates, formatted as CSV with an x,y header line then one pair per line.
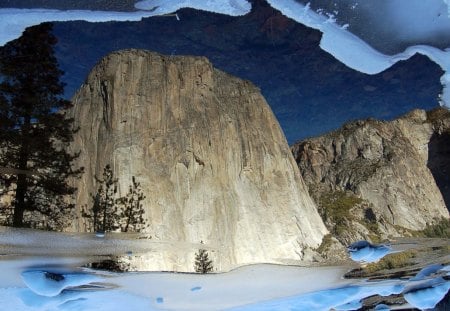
x,y
375,179
210,156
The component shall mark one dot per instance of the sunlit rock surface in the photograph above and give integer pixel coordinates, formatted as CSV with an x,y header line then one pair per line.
x,y
387,165
209,153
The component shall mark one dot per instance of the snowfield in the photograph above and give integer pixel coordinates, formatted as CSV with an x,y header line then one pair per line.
x,y
45,271
258,287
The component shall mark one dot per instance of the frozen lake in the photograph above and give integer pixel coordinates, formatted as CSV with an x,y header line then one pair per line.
x,y
49,271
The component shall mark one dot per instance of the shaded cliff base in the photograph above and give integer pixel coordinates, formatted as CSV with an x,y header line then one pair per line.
x,y
378,180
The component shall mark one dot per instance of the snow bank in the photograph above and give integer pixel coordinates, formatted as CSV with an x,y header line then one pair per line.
x,y
51,284
257,287
14,21
363,251
228,7
354,52
427,297
339,298
22,299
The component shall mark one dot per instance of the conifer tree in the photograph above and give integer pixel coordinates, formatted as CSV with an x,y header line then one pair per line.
x,y
34,130
202,262
105,212
132,210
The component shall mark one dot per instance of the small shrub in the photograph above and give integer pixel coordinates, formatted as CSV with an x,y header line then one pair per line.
x,y
335,208
438,114
392,261
327,241
440,229
202,262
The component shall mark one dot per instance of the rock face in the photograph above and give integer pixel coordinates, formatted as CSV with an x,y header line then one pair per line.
x,y
209,154
386,164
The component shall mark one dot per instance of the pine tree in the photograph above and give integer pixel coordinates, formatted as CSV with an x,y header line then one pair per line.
x,y
132,210
202,262
105,212
34,130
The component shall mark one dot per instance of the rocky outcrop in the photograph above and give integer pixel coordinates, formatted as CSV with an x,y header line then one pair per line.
x,y
210,156
380,174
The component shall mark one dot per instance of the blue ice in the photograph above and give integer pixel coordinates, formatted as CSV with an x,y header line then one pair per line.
x,y
363,251
427,298
338,298
352,305
382,307
427,271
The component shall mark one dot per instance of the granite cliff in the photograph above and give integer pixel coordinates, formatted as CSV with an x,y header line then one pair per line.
x,y
375,179
210,156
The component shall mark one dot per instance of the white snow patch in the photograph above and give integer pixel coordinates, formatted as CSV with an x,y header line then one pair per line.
x,y
14,21
51,284
22,299
354,52
427,298
332,299
228,7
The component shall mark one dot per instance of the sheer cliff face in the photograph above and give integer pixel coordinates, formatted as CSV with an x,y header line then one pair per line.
x,y
383,163
210,155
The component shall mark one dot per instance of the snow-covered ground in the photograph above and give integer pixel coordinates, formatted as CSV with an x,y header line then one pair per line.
x,y
44,271
34,284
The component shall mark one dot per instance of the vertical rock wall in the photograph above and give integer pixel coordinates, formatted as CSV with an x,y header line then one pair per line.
x,y
209,153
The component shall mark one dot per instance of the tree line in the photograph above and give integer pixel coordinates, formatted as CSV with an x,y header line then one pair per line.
x,y
35,131
109,212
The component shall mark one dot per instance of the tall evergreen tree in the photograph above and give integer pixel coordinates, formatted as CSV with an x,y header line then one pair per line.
x,y
132,210
34,129
104,210
109,212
